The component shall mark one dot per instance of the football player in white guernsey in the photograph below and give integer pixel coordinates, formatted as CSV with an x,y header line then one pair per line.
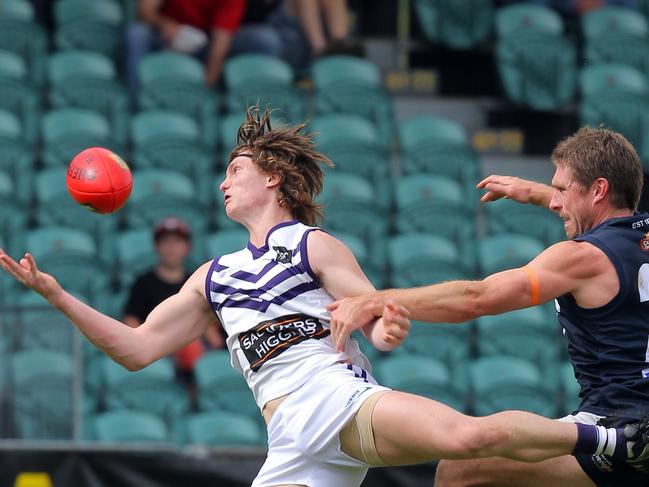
x,y
328,420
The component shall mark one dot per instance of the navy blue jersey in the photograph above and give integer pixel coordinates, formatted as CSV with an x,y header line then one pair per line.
x,y
609,346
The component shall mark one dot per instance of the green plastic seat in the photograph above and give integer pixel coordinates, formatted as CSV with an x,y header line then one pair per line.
x,y
525,333
42,394
129,426
422,130
174,81
253,79
350,206
86,79
507,216
537,70
68,131
448,343
20,34
94,26
460,25
71,256
346,84
506,251
135,254
501,383
159,193
43,328
608,19
602,78
223,242
18,95
355,146
420,375
418,259
13,214
222,428
152,389
55,206
220,387
513,19
172,140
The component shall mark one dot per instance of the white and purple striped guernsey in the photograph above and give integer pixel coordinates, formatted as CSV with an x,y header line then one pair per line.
x,y
273,309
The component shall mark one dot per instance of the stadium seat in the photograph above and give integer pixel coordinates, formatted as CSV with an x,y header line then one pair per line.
x,y
502,383
448,343
524,333
460,25
44,328
159,193
86,79
13,214
42,394
172,140
129,426
257,79
417,259
347,84
616,35
536,62
350,206
54,206
71,256
94,26
174,81
18,95
223,242
355,147
16,157
152,389
507,216
222,428
420,375
135,253
68,131
524,17
220,387
506,251
615,96
19,33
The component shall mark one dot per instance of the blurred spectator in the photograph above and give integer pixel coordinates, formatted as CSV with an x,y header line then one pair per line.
x,y
207,29
173,244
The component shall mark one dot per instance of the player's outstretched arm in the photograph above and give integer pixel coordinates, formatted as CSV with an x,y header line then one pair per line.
x,y
168,327
341,276
565,267
517,189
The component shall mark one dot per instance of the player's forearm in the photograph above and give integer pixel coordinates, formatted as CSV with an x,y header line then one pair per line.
x,y
117,341
541,194
450,302
375,334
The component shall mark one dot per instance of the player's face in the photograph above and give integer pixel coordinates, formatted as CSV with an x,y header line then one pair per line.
x,y
244,188
572,203
173,250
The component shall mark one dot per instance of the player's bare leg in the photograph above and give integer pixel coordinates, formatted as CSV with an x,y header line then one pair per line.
x,y
501,472
412,429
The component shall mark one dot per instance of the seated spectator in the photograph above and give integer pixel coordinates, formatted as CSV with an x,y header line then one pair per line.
x,y
173,243
206,29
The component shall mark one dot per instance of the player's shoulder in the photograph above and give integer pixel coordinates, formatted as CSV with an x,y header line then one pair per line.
x,y
576,254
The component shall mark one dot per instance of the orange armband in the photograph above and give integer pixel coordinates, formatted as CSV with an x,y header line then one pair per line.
x,y
535,289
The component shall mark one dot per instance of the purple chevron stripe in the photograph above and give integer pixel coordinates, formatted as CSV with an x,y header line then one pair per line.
x,y
250,277
255,293
262,306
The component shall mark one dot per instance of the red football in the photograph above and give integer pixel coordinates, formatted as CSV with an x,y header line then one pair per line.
x,y
99,180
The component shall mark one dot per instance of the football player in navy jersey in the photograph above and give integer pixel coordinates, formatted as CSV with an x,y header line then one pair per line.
x,y
328,420
600,279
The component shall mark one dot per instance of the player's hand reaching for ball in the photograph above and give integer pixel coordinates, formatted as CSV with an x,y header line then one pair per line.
x,y
26,272
517,189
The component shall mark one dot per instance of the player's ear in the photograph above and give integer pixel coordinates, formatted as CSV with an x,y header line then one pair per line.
x,y
600,188
273,179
